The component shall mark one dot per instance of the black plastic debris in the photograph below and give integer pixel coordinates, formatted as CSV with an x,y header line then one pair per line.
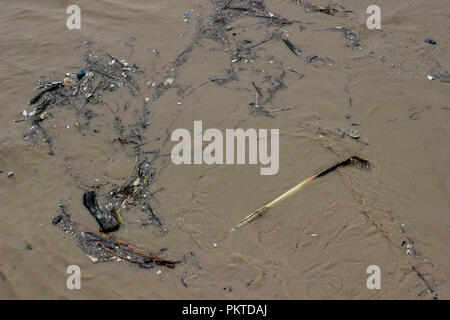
x,y
107,221
47,88
431,41
297,51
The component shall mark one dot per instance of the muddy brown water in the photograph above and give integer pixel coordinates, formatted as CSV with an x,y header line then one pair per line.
x,y
315,245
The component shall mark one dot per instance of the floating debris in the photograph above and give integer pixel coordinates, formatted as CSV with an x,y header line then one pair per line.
x,y
430,41
101,247
431,290
48,87
81,74
312,7
69,82
350,161
354,133
168,82
107,220
297,51
443,77
10,174
351,35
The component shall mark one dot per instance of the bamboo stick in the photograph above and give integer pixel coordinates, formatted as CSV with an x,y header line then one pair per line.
x,y
284,196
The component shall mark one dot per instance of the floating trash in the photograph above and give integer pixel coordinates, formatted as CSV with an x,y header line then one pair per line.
x,y
430,41
81,74
69,82
350,161
354,133
168,82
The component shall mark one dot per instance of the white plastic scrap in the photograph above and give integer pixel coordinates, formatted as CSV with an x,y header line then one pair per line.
x,y
28,114
93,259
168,81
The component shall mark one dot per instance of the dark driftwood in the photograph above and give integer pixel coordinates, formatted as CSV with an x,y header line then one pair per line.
x,y
106,220
53,87
297,51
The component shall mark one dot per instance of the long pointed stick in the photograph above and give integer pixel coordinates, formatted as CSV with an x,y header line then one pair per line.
x,y
157,260
295,189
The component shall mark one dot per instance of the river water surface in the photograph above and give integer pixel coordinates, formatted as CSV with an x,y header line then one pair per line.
x,y
317,244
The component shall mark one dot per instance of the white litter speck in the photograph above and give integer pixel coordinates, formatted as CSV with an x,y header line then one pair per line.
x,y
147,99
93,259
430,77
158,273
168,81
68,127
215,245
178,102
314,234
28,114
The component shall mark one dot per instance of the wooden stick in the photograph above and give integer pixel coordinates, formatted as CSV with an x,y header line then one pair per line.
x,y
169,264
295,189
